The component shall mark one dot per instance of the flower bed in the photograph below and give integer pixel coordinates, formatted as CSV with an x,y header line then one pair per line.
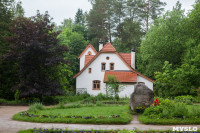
x,y
57,130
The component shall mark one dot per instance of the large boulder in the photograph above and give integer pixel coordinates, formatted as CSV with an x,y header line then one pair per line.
x,y
142,96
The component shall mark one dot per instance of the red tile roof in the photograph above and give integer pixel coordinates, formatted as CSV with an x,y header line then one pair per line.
x,y
88,58
89,45
108,48
126,57
123,77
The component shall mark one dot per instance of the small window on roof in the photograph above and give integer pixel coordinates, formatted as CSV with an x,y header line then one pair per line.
x,y
89,53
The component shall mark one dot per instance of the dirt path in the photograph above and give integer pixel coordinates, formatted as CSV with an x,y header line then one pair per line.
x,y
7,125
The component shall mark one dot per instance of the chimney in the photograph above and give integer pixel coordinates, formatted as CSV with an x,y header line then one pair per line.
x,y
133,58
100,44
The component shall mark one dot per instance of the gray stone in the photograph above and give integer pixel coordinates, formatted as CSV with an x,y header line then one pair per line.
x,y
142,96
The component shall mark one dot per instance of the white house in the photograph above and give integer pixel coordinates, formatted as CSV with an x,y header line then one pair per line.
x,y
96,66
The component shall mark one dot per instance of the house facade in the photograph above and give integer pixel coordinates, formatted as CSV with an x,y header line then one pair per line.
x,y
96,66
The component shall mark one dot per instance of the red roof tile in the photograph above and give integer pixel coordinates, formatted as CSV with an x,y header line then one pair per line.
x,y
108,48
126,57
124,77
89,45
88,58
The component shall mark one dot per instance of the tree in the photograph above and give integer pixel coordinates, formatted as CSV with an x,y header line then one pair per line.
x,y
8,68
39,57
98,22
151,9
18,9
76,43
165,41
181,81
80,17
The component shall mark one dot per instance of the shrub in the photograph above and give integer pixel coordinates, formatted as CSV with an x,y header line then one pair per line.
x,y
35,107
99,103
17,95
167,109
180,110
185,99
61,105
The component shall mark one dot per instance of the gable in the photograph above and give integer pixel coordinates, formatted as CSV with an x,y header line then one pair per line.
x,y
119,65
88,48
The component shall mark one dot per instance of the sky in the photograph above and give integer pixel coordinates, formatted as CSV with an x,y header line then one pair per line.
x,y
63,9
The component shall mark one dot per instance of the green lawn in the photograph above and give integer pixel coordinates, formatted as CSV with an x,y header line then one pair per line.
x,y
116,114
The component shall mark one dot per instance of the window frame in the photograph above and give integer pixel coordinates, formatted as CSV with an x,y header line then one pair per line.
x,y
113,66
93,83
102,66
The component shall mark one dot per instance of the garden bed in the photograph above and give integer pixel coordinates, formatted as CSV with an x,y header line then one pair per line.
x,y
93,115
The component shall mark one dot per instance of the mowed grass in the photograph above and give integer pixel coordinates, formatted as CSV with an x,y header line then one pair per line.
x,y
99,114
193,120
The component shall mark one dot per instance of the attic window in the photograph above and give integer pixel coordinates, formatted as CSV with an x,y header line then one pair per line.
x,y
107,58
89,53
112,66
90,70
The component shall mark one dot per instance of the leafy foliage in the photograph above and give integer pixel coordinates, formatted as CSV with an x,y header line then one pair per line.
x,y
113,87
163,42
8,68
36,49
176,82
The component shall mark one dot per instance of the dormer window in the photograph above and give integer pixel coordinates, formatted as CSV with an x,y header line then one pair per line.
x,y
103,66
112,66
89,53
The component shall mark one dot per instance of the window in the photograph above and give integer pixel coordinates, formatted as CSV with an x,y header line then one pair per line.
x,y
89,53
107,58
90,70
103,66
112,67
96,85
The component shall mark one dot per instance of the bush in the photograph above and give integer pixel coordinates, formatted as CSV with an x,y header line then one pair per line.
x,y
185,99
99,103
167,109
179,111
35,107
61,105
